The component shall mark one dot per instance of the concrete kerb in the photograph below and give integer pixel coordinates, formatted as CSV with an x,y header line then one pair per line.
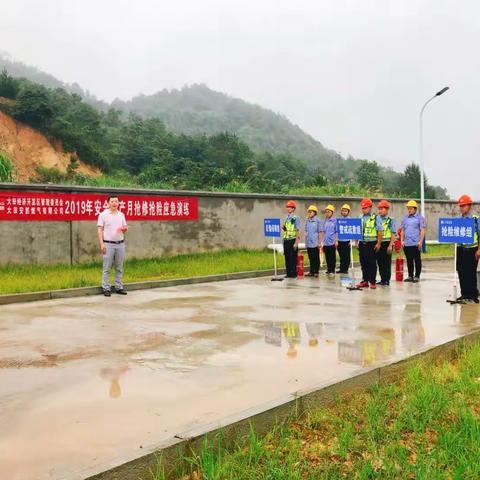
x,y
234,430
87,291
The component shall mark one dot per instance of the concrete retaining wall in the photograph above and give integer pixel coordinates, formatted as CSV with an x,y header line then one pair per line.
x,y
225,221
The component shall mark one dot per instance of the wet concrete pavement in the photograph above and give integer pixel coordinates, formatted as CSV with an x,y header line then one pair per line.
x,y
90,382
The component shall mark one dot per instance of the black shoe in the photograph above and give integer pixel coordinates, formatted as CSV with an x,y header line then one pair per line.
x,y
416,279
409,279
121,291
310,274
106,293
472,300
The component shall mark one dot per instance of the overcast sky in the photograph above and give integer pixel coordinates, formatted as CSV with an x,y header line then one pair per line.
x,y
353,74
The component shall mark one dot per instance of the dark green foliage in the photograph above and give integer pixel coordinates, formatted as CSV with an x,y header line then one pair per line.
x,y
34,106
9,86
409,184
410,181
368,175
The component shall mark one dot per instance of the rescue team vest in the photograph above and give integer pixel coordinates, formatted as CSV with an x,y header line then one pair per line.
x,y
289,228
475,235
370,228
387,229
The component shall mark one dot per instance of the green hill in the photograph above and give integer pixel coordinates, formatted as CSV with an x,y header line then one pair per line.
x,y
191,138
198,109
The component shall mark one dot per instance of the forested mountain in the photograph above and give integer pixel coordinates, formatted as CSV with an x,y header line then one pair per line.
x,y
190,138
198,109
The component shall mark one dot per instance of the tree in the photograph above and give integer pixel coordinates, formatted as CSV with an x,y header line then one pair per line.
x,y
410,184
410,181
9,86
368,175
34,106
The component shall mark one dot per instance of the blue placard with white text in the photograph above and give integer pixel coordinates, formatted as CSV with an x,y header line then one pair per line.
x,y
456,230
349,229
271,227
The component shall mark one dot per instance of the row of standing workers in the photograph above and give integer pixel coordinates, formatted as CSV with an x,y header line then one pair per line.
x,y
379,233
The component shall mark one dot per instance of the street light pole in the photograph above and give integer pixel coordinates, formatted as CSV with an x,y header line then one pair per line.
x,y
422,186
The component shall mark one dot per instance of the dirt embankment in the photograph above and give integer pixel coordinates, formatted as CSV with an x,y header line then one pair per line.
x,y
28,149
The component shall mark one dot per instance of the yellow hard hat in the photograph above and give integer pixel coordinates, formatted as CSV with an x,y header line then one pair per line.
x,y
412,203
330,207
346,206
313,208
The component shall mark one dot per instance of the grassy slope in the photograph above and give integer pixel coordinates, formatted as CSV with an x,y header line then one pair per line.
x,y
424,427
34,278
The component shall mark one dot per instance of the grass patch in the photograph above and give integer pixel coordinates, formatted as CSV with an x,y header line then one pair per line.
x,y
426,426
34,278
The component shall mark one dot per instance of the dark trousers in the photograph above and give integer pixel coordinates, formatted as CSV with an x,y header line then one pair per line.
x,y
344,254
368,261
414,259
314,257
290,257
330,257
384,262
467,271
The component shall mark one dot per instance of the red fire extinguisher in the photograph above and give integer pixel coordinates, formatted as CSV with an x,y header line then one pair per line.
x,y
300,269
398,261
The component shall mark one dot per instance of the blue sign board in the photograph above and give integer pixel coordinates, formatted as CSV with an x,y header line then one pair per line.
x,y
456,230
349,229
271,227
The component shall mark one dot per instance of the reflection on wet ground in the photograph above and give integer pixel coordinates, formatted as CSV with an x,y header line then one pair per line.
x,y
88,382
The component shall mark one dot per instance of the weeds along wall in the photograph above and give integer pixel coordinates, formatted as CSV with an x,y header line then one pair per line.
x,y
225,220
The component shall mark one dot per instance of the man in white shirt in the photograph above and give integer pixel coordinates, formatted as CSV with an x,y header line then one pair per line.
x,y
111,227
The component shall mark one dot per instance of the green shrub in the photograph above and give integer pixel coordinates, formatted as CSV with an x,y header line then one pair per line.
x,y
48,175
7,169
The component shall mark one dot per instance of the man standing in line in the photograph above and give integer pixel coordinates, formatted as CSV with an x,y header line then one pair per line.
x,y
370,244
291,237
313,228
328,239
467,256
111,227
384,255
344,245
412,235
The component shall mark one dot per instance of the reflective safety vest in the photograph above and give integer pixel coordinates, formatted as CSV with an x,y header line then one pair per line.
x,y
370,228
289,228
475,235
291,331
387,231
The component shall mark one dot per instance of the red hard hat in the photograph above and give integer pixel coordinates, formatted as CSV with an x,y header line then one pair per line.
x,y
291,203
365,203
465,200
384,204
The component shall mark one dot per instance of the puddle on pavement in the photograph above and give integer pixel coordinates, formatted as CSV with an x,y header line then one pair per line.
x,y
85,382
